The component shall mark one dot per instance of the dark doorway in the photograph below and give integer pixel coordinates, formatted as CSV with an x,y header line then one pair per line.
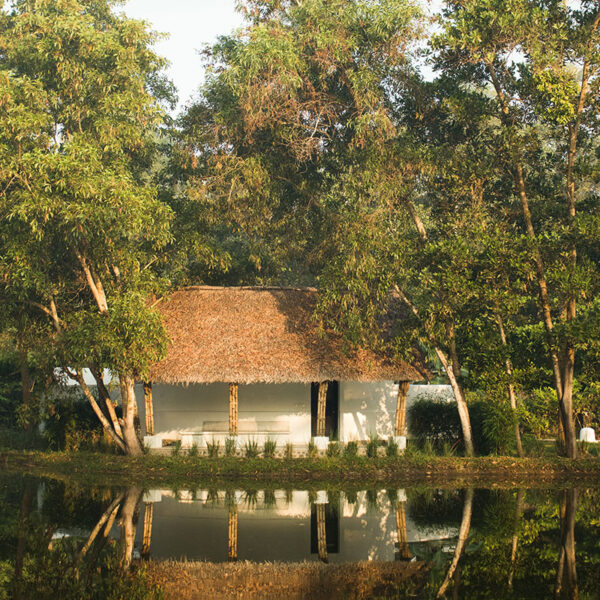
x,y
332,409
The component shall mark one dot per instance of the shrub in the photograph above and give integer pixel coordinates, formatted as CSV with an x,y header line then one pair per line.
x,y
230,443
434,420
176,448
269,448
391,449
351,449
333,449
251,449
372,446
213,448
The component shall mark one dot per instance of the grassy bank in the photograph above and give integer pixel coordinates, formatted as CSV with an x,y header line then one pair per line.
x,y
98,468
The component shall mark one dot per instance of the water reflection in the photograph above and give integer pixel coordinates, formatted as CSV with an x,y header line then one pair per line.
x,y
58,540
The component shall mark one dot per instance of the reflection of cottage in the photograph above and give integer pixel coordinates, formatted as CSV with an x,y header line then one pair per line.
x,y
250,362
281,525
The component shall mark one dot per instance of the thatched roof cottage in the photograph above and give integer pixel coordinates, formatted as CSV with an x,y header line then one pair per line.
x,y
246,361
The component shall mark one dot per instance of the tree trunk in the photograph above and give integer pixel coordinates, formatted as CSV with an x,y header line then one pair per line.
x,y
128,528
566,577
128,402
104,396
463,409
511,388
26,386
463,534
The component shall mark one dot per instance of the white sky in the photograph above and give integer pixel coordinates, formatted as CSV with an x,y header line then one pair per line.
x,y
190,24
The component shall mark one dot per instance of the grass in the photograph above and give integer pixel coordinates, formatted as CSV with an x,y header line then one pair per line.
x,y
387,471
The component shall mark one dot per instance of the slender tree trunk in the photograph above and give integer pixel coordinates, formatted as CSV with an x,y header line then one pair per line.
x,y
128,527
78,376
566,573
452,370
26,384
511,388
130,437
463,534
105,398
515,540
463,409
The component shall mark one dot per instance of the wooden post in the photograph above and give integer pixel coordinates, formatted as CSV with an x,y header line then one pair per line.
x,y
147,536
322,533
148,408
403,549
232,534
233,409
321,405
400,428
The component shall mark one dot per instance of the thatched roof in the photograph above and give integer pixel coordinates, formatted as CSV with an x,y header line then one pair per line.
x,y
259,335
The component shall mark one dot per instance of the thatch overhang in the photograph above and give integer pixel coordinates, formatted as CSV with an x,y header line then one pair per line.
x,y
259,335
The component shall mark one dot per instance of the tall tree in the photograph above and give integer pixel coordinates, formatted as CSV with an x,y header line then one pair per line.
x,y
541,61
81,89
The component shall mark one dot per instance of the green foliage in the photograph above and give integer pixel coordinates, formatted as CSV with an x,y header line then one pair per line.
x,y
333,449
312,450
289,450
269,448
230,446
391,449
193,451
351,449
251,448
212,447
69,421
372,446
176,451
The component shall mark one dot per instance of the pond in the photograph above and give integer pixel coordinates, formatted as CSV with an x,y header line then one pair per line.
x,y
62,540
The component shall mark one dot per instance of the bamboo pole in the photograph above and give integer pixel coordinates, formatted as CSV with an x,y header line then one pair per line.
x,y
233,409
149,408
321,406
147,536
403,548
401,408
232,534
322,533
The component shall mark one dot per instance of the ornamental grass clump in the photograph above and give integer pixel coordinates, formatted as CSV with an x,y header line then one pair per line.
x,y
312,450
289,450
372,446
251,449
351,449
269,448
391,449
230,444
333,449
193,451
177,448
213,448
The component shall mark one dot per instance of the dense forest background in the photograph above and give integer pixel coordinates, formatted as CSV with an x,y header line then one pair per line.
x,y
464,204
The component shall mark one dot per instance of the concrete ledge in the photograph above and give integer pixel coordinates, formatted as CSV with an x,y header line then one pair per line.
x,y
321,442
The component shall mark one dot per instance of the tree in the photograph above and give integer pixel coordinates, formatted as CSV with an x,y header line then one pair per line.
x,y
541,61
81,90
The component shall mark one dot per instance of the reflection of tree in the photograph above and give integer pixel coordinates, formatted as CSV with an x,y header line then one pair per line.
x,y
25,510
132,499
403,548
515,539
232,533
321,510
566,573
463,534
147,535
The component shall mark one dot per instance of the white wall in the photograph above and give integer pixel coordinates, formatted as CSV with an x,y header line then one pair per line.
x,y
370,408
282,407
365,408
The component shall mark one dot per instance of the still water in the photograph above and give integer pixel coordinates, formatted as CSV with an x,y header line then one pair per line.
x,y
60,540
